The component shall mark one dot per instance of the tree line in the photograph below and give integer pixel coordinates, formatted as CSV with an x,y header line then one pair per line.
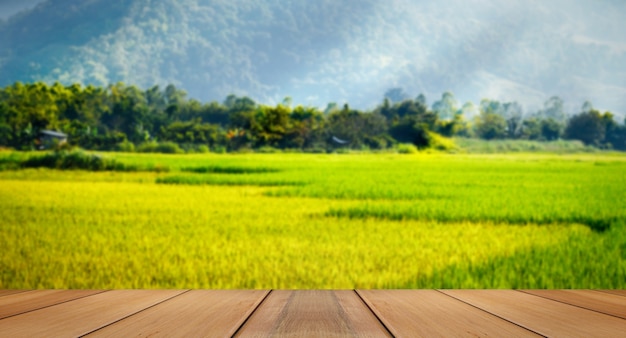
x,y
125,118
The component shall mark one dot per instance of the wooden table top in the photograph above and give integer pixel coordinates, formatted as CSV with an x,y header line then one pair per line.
x,y
313,313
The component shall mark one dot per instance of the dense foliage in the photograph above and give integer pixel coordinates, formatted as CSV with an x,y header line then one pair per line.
x,y
126,118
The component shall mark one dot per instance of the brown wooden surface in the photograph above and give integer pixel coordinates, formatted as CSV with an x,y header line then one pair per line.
x,y
197,313
313,313
10,292
588,299
546,317
615,292
83,315
429,313
17,303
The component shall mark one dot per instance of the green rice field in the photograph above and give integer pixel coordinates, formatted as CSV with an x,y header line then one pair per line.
x,y
301,221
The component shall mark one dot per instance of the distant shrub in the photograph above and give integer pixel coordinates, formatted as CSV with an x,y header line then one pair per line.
x,y
203,149
147,147
268,150
342,151
291,151
229,170
168,148
160,147
159,168
11,162
125,146
316,150
441,143
243,150
505,146
407,148
74,160
195,179
64,146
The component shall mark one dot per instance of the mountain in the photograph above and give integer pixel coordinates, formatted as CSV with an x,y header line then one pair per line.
x,y
321,51
9,8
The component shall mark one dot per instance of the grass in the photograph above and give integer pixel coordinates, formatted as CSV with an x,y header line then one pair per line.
x,y
474,145
257,180
318,221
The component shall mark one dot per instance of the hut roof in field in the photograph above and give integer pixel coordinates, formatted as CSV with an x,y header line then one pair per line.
x,y
53,133
340,141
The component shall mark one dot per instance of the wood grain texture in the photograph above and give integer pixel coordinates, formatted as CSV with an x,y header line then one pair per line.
x,y
313,313
547,317
412,313
592,300
197,313
614,292
81,316
429,313
17,303
10,292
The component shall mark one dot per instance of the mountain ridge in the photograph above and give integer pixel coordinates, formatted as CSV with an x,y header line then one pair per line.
x,y
329,51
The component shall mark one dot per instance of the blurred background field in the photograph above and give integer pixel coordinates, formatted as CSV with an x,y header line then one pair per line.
x,y
315,221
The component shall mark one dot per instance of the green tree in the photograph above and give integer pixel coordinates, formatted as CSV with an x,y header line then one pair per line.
x,y
489,125
395,95
410,131
550,129
511,112
193,133
588,127
236,104
531,129
307,129
553,109
413,110
27,109
457,126
174,96
269,125
446,107
616,137
614,133
155,99
128,112
215,113
358,128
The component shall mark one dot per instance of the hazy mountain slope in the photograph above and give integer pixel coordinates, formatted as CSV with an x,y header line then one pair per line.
x,y
319,51
9,8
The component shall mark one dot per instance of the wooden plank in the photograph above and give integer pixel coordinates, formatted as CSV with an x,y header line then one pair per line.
x,y
429,313
542,315
614,292
313,313
592,300
81,316
10,292
198,313
32,300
